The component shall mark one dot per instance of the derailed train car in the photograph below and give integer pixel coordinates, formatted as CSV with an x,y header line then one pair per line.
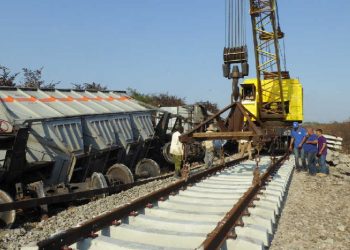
x,y
188,116
63,140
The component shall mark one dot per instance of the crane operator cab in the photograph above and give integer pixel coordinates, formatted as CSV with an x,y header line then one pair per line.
x,y
292,92
248,93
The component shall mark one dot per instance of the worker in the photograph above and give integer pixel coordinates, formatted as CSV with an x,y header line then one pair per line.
x,y
218,147
245,145
310,148
296,146
176,150
209,148
322,153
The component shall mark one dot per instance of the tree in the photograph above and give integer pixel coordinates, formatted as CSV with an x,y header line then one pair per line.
x,y
212,107
33,79
139,96
163,99
89,86
167,100
6,78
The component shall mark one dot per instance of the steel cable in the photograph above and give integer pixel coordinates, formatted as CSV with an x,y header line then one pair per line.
x,y
235,23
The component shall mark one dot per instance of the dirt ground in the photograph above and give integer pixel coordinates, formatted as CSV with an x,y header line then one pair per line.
x,y
316,214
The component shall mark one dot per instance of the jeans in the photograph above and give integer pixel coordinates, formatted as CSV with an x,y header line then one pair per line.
x,y
311,162
208,158
323,166
299,153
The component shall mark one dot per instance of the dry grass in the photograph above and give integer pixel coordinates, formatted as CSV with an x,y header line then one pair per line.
x,y
341,129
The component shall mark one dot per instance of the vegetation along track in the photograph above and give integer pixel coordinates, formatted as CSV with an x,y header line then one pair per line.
x,y
216,208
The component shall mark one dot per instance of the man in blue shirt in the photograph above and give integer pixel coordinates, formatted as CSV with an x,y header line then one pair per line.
x,y
296,145
310,149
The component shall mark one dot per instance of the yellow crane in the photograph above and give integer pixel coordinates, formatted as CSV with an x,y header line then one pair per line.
x,y
272,95
264,106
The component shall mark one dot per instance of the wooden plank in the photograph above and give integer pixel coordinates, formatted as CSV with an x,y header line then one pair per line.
x,y
223,135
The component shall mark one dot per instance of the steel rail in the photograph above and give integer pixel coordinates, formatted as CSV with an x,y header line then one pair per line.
x,y
35,202
88,228
224,228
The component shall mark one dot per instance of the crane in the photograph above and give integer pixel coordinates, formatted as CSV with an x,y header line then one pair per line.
x,y
262,104
274,87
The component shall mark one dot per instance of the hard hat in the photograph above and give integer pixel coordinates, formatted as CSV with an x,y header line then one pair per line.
x,y
295,124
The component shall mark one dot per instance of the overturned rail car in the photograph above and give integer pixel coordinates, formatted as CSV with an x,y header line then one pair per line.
x,y
187,116
64,140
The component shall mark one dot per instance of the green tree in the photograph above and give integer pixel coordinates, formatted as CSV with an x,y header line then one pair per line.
x,y
6,78
89,86
33,79
210,106
162,100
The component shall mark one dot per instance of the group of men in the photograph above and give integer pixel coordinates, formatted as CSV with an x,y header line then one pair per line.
x,y
176,149
310,150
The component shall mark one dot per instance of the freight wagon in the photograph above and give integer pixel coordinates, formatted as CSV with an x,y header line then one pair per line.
x,y
57,141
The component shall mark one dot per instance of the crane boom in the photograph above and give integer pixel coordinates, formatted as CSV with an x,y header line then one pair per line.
x,y
266,35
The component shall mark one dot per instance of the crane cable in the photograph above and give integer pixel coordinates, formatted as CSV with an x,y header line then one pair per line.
x,y
235,23
283,54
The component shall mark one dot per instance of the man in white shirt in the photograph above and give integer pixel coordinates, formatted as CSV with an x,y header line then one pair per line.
x,y
176,150
243,146
209,148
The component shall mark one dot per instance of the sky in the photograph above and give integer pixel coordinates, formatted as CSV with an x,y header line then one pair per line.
x,y
174,46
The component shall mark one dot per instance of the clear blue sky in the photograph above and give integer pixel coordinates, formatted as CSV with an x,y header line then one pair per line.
x,y
173,46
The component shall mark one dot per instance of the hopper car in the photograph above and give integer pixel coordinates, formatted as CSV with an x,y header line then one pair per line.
x,y
56,141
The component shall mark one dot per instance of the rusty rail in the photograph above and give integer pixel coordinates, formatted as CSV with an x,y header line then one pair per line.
x,y
35,202
88,228
225,227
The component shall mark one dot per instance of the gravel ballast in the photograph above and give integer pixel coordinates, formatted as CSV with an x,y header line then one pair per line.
x,y
316,214
15,238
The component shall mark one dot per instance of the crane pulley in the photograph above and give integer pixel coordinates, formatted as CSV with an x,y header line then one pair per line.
x,y
235,50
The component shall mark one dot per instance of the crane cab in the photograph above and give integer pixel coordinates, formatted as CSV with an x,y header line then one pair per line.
x,y
292,94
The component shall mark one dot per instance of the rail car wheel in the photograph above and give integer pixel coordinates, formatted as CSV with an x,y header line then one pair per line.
x,y
147,168
7,218
119,174
98,181
166,153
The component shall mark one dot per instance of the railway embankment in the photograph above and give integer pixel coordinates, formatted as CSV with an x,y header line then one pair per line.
x,y
32,232
317,211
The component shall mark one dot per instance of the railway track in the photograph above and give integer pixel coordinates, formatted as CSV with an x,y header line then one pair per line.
x,y
216,208
10,208
54,199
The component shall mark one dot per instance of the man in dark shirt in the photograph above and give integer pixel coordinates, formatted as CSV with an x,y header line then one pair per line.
x,y
296,145
310,148
322,153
